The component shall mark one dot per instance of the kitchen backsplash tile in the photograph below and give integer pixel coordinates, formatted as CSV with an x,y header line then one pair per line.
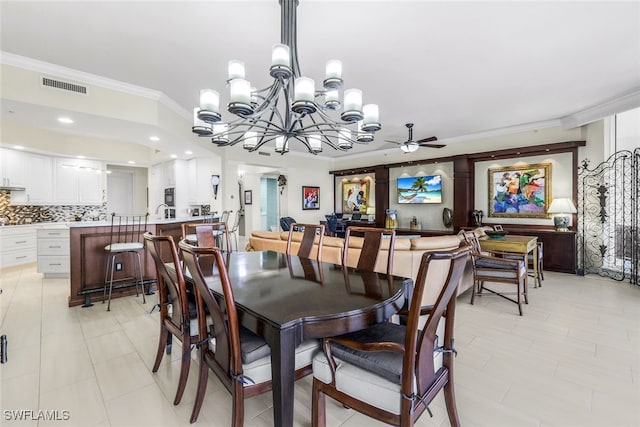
x,y
31,214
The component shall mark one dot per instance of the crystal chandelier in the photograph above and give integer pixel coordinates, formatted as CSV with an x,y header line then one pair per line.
x,y
290,108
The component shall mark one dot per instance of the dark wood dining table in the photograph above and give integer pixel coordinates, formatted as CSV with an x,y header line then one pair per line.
x,y
289,299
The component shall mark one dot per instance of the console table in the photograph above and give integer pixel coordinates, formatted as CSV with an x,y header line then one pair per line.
x,y
559,247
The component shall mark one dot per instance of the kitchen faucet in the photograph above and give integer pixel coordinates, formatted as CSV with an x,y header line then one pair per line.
x,y
161,205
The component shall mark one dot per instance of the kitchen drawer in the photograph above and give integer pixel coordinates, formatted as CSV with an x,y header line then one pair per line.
x,y
46,233
18,241
53,264
58,246
23,256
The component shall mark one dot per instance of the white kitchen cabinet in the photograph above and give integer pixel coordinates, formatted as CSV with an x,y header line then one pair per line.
x,y
18,245
53,251
78,182
11,168
38,181
199,171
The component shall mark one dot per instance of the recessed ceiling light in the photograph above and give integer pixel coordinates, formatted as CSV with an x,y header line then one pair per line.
x,y
173,156
154,138
131,162
65,120
18,147
80,157
189,152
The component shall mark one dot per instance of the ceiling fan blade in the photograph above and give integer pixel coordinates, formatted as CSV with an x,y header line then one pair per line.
x,y
394,142
432,145
430,139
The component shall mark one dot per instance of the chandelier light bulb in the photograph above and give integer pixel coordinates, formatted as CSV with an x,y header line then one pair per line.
x,y
304,89
200,127
344,139
220,133
281,145
352,105
332,99
333,74
371,120
250,140
280,55
236,69
315,143
240,97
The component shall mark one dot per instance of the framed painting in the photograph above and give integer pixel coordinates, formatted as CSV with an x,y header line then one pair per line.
x,y
310,197
355,196
520,191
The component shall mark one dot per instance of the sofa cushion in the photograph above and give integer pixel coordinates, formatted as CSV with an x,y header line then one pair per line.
x,y
435,243
274,235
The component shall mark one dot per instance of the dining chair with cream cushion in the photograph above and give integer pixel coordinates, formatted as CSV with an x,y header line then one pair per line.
x,y
392,372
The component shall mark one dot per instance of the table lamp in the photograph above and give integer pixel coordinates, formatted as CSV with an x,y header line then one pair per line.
x,y
562,208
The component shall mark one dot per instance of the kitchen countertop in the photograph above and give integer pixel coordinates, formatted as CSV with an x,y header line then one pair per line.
x,y
74,224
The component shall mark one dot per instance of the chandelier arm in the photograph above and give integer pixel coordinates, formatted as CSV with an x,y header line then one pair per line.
x,y
263,140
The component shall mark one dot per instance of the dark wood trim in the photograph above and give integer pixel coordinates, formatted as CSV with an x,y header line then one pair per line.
x,y
463,176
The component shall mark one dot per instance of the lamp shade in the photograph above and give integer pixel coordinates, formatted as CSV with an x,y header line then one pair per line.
x,y
562,206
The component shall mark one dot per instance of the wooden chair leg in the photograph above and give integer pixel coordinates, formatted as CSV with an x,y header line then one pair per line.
x,y
238,405
202,388
184,370
318,406
162,343
450,402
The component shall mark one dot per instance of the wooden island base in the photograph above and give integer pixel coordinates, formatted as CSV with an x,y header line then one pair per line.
x,y
88,261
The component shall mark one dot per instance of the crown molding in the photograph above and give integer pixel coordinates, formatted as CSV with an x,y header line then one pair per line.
x,y
617,105
11,59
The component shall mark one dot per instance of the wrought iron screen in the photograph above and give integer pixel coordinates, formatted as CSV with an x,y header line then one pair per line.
x,y
608,217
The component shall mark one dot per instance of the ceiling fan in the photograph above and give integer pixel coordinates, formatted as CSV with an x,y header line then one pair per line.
x,y
409,146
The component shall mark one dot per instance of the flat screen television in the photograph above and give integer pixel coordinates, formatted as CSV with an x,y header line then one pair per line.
x,y
420,189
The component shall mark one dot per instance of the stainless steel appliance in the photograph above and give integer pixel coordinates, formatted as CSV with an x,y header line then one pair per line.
x,y
170,197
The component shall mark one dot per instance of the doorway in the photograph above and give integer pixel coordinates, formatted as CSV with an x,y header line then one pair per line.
x,y
269,203
126,190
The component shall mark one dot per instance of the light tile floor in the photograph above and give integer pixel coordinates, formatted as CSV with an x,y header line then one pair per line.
x,y
573,359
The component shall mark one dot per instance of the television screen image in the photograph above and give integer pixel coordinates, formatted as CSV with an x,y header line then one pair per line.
x,y
420,189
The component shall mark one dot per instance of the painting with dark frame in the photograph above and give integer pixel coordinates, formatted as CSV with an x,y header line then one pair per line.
x,y
248,197
522,191
310,197
355,195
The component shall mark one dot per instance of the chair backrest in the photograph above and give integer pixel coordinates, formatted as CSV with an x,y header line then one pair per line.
x,y
171,286
332,223
310,232
128,228
370,246
442,269
205,233
225,217
236,222
285,223
472,239
224,315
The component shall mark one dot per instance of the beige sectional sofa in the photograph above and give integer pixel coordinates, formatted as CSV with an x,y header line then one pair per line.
x,y
406,258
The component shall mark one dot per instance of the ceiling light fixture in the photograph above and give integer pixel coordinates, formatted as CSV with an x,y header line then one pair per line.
x,y
409,147
65,120
290,108
154,138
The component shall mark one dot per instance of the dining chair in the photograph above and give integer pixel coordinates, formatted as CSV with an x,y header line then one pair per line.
x,y
308,238
179,321
239,358
363,252
392,372
196,232
498,270
125,237
234,229
531,270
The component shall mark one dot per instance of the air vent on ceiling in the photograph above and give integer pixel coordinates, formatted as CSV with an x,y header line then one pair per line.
x,y
264,153
59,84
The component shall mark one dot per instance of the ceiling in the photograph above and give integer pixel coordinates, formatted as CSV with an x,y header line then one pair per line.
x,y
454,69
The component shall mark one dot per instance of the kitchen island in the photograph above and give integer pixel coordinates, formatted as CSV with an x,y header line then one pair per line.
x,y
88,259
